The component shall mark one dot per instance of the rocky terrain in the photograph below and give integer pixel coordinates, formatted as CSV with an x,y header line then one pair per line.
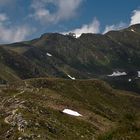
x,y
33,110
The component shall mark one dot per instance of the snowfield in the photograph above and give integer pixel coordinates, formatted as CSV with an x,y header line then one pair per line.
x,y
138,73
48,54
132,30
117,73
71,112
73,78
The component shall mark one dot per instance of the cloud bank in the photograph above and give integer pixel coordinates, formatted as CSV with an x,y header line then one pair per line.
x,y
119,26
61,10
3,17
50,12
93,27
9,34
135,18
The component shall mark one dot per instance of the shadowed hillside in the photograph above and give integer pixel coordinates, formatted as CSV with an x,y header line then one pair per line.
x,y
64,56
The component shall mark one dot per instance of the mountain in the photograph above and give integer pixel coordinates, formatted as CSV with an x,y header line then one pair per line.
x,y
33,110
64,56
58,87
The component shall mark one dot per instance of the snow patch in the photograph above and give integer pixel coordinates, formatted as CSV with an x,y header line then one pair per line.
x,y
48,54
117,73
71,112
73,78
132,30
139,74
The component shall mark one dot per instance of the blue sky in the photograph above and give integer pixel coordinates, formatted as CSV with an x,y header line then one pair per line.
x,y
27,19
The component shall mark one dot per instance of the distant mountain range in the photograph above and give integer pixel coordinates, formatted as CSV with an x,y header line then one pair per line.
x,y
89,56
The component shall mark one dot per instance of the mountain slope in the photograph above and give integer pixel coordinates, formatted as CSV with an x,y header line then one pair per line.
x,y
33,109
33,96
90,56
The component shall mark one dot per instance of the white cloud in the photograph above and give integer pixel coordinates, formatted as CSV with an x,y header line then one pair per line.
x,y
135,18
119,26
3,17
64,10
93,27
10,34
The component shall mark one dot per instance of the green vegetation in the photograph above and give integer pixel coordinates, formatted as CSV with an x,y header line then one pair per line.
x,y
127,129
90,56
38,104
33,97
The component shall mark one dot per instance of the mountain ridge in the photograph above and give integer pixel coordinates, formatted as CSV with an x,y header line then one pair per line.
x,y
89,56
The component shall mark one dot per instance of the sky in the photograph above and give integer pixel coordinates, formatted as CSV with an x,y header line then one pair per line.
x,y
27,19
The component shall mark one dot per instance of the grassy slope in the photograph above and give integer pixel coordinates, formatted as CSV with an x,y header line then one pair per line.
x,y
85,57
8,74
107,113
